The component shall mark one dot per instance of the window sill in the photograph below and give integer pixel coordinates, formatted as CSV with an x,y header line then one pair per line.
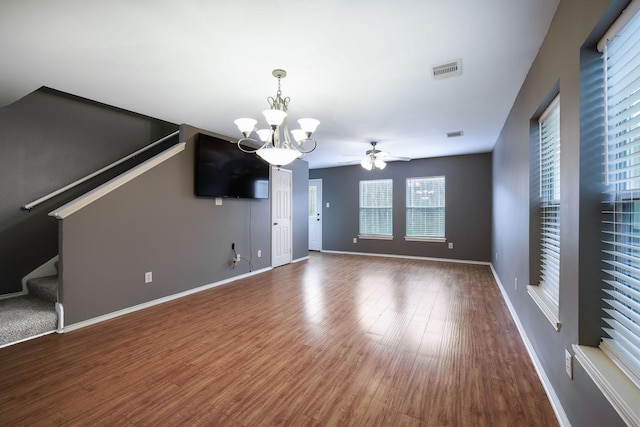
x,y
548,307
374,237
425,239
619,390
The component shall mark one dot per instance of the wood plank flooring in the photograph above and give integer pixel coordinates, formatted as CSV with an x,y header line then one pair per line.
x,y
336,340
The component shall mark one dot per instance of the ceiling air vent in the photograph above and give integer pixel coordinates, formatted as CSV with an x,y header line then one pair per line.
x,y
450,69
455,134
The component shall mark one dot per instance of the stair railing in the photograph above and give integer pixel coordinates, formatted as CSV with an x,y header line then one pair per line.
x,y
42,199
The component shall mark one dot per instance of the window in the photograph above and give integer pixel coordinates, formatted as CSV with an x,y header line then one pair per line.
x,y
621,217
549,124
376,209
425,208
546,166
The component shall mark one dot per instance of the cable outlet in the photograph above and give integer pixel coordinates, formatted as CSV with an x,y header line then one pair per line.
x,y
568,363
148,277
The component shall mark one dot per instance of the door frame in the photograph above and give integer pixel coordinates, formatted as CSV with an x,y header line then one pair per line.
x,y
318,183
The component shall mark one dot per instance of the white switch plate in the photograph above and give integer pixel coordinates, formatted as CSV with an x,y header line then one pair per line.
x,y
328,204
450,245
355,240
148,277
259,253
218,201
568,363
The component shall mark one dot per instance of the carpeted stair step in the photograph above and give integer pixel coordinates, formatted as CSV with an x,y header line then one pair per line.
x,y
25,317
44,288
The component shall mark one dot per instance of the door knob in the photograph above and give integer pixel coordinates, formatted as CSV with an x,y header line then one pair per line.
x,y
275,223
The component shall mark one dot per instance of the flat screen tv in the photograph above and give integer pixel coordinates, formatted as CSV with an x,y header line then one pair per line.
x,y
222,170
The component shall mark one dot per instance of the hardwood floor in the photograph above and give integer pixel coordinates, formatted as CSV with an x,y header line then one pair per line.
x,y
336,340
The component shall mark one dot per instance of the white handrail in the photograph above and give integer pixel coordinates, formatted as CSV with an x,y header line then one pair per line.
x,y
42,199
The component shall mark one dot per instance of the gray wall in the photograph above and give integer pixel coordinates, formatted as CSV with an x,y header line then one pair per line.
x,y
155,223
49,139
566,62
300,209
468,207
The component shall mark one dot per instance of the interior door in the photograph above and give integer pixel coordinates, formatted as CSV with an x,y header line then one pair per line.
x,y
315,214
281,237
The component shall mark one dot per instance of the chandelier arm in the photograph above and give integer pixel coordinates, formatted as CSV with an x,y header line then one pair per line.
x,y
241,140
300,147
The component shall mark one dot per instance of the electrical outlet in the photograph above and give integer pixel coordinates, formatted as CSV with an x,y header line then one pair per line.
x,y
450,245
568,363
148,277
516,283
237,257
355,240
259,253
496,256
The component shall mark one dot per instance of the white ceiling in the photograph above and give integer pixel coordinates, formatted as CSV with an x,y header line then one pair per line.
x,y
362,67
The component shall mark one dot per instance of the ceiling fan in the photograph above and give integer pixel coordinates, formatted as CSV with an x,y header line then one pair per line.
x,y
376,159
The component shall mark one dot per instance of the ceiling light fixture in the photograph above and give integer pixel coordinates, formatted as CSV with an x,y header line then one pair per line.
x,y
373,159
275,149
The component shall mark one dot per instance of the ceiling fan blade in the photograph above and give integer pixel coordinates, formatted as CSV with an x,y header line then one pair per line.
x,y
396,158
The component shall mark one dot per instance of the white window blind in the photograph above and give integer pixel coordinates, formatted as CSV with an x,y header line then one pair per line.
x,y
376,207
621,216
425,207
549,128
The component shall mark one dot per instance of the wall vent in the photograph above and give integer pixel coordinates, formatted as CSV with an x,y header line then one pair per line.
x,y
450,69
455,134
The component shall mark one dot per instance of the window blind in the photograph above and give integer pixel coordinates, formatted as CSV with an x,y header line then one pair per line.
x,y
549,127
425,207
376,207
621,216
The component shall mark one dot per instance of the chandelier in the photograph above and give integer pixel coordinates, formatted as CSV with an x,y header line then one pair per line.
x,y
275,149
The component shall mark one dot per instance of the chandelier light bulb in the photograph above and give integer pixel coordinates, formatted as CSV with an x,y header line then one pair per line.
x,y
309,125
274,117
245,125
264,134
299,135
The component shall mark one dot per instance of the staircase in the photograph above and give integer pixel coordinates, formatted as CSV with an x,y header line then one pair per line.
x,y
30,315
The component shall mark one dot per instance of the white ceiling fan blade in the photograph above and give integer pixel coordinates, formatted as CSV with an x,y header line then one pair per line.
x,y
396,158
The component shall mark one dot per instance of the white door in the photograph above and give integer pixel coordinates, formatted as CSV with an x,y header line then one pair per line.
x,y
315,214
281,237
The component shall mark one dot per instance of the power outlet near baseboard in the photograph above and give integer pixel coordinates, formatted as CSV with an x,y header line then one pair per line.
x,y
568,363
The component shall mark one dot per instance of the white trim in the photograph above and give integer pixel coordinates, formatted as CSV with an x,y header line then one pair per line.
x,y
21,293
168,298
27,339
459,261
93,195
425,239
548,307
619,390
546,384
60,313
374,237
626,14
304,258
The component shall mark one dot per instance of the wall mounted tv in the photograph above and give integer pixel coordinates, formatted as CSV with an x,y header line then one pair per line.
x,y
222,170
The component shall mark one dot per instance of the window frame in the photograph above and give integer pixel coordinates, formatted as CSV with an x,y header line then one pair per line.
x,y
425,237
389,208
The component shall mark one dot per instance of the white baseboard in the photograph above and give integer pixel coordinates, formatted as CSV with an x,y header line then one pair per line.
x,y
459,261
304,258
148,304
546,384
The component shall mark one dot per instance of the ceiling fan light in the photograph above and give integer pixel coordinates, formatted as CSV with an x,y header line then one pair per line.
x,y
274,117
309,125
366,163
379,163
245,125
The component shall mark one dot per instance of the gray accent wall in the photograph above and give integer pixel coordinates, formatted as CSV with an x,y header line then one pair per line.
x,y
156,223
568,63
49,139
468,207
